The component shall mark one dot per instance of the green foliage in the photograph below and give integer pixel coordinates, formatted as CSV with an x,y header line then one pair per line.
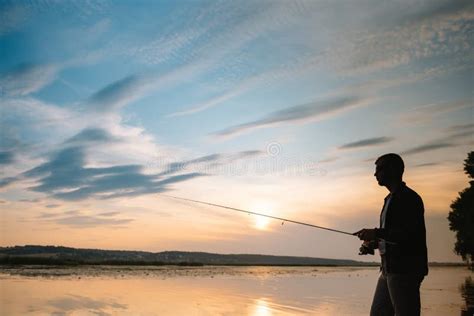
x,y
461,218
469,165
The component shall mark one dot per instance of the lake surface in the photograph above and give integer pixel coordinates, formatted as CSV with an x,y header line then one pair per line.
x,y
216,291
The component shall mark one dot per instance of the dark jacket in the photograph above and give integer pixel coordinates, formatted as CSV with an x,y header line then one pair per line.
x,y
405,226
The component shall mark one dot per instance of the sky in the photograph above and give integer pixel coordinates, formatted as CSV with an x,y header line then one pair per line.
x,y
279,107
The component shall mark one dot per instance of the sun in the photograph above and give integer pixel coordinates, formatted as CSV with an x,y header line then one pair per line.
x,y
262,222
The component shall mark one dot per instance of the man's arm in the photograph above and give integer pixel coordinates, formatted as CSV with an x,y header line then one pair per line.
x,y
407,223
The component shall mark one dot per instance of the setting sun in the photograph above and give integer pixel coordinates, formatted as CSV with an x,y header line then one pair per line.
x,y
261,222
263,207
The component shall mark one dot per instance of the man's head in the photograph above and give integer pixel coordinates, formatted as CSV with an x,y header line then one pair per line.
x,y
389,169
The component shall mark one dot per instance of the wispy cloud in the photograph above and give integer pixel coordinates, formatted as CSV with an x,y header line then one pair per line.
x,y
460,132
108,214
230,35
279,73
208,162
426,113
91,135
27,78
47,127
125,91
427,164
65,177
7,181
11,17
328,160
298,114
117,94
368,142
85,221
462,127
426,148
6,157
166,47
441,31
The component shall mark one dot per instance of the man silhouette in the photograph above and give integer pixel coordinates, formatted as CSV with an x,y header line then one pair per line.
x,y
401,240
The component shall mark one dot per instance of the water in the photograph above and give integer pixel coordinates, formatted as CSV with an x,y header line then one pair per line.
x,y
255,291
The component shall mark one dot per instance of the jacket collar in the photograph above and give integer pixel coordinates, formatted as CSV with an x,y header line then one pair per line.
x,y
397,190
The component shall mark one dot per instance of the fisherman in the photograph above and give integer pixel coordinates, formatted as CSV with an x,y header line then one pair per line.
x,y
401,241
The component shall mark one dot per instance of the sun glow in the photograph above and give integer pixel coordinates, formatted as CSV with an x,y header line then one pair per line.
x,y
262,222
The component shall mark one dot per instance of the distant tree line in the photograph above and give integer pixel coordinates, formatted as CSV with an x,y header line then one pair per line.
x,y
29,260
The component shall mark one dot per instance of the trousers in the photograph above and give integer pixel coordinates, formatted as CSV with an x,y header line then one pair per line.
x,y
397,294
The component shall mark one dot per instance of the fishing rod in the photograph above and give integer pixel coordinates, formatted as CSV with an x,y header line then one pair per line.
x,y
259,214
278,218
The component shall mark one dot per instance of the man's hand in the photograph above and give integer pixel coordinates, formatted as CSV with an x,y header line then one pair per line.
x,y
366,234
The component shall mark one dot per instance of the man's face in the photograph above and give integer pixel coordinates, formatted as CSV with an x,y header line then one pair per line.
x,y
382,173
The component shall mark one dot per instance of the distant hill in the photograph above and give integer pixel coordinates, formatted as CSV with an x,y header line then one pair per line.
x,y
32,254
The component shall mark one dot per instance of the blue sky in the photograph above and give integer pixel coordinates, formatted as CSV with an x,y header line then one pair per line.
x,y
280,105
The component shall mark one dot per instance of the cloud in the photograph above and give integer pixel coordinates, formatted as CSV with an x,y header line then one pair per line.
x,y
7,181
27,78
30,200
203,47
76,219
115,149
47,215
462,127
91,135
246,154
182,165
73,212
279,73
328,160
37,120
166,47
459,132
117,94
426,30
65,177
369,142
209,103
426,148
108,214
84,221
305,113
46,127
6,157
435,9
427,164
123,92
11,17
426,113
208,162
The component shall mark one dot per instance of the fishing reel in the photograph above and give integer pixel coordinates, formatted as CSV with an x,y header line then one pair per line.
x,y
366,250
